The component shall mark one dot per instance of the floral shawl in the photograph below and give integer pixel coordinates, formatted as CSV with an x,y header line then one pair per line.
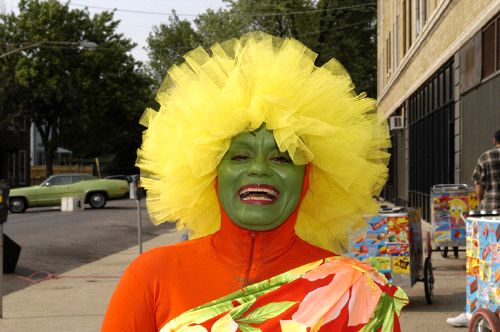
x,y
334,294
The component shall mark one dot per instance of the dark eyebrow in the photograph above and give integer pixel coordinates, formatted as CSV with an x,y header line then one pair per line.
x,y
238,145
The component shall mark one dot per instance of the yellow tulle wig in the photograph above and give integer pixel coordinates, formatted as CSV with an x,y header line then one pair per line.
x,y
314,114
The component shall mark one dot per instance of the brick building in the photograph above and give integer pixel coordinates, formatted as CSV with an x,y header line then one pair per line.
x,y
438,81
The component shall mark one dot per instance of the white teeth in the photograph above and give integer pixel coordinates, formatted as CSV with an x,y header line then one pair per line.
x,y
250,198
259,190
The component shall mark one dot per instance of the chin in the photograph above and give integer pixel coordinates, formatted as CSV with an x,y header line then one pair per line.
x,y
259,227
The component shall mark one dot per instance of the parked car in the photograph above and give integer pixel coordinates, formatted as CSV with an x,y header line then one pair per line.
x,y
96,192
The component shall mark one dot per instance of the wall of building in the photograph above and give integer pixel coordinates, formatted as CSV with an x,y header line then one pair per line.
x,y
458,21
420,62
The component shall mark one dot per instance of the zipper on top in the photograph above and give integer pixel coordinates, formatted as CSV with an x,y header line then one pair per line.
x,y
250,260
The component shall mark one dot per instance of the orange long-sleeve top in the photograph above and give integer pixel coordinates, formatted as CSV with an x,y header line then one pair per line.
x,y
165,282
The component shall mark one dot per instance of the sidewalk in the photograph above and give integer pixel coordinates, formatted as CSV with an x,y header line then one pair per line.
x,y
77,300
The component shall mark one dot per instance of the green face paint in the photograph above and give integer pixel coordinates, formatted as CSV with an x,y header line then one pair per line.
x,y
258,186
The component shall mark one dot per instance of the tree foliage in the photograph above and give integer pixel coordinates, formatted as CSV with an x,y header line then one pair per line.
x,y
345,30
88,99
169,42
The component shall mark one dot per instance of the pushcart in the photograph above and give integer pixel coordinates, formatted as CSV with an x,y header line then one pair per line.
x,y
391,242
483,272
450,203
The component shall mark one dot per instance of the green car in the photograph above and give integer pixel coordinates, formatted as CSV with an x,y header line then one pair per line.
x,y
49,193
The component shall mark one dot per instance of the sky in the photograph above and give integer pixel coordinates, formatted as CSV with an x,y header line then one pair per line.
x,y
138,16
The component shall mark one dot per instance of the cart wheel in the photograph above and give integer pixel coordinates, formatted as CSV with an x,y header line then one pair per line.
x,y
455,252
484,321
444,251
428,280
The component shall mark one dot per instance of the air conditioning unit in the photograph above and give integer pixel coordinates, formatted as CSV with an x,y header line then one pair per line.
x,y
396,122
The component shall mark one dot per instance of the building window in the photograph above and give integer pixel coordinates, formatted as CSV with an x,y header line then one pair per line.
x,y
410,23
404,27
388,51
396,42
407,25
424,12
417,17
22,167
498,43
420,15
490,48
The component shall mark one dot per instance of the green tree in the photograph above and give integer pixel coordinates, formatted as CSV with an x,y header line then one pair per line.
x,y
168,42
347,31
343,29
86,100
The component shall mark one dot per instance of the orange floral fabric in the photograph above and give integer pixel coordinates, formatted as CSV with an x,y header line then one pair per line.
x,y
336,294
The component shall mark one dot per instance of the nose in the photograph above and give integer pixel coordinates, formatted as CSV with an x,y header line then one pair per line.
x,y
259,166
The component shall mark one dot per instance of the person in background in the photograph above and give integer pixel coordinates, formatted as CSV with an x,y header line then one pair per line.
x,y
486,178
269,162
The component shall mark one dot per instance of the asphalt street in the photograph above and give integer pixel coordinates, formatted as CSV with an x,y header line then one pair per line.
x,y
54,242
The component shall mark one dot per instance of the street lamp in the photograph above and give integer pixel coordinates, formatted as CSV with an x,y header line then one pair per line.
x,y
88,44
83,44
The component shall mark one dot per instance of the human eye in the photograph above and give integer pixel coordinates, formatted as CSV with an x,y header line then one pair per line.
x,y
281,158
239,156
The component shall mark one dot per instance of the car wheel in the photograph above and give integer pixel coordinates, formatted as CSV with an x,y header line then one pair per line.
x,y
17,204
97,200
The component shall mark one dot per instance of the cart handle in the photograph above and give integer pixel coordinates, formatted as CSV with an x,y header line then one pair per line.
x,y
450,186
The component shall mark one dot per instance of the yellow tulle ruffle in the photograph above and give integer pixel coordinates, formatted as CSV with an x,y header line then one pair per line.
x,y
313,112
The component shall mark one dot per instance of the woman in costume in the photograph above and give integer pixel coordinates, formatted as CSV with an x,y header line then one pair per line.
x,y
268,161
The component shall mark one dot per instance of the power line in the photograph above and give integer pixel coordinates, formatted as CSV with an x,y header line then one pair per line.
x,y
337,28
312,11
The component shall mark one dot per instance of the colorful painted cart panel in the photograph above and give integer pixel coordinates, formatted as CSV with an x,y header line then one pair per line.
x,y
483,264
450,205
392,243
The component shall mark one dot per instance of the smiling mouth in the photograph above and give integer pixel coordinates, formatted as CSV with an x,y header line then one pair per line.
x,y
258,194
